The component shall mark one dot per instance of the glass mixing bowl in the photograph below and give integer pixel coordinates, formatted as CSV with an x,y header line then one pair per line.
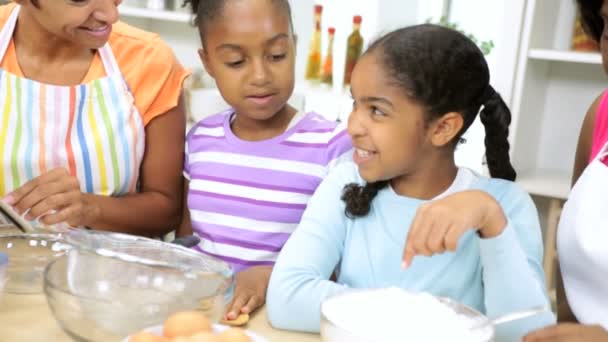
x,y
109,285
28,255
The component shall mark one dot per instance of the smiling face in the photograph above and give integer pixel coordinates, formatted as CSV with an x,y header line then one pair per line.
x,y
252,58
388,129
86,23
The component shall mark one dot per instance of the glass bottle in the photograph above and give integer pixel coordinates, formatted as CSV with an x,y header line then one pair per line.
x,y
354,46
313,66
328,68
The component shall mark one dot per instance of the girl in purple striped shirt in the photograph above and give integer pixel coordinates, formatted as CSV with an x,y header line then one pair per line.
x,y
251,169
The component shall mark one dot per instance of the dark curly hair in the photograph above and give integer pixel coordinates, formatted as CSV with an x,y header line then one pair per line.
x,y
207,10
443,71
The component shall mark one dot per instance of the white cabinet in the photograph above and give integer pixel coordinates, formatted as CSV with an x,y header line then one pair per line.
x,y
553,89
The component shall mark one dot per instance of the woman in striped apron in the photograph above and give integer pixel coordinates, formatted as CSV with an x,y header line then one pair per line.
x,y
77,146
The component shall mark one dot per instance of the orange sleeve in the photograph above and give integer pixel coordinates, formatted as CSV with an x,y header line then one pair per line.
x,y
153,73
9,62
5,12
159,83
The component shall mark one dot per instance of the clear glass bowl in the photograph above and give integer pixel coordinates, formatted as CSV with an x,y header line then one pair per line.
x,y
331,332
109,285
28,255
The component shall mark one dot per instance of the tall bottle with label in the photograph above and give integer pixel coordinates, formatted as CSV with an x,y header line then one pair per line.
x,y
313,66
354,46
328,64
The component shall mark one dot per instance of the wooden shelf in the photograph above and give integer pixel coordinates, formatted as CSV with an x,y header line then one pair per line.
x,y
137,12
547,183
565,56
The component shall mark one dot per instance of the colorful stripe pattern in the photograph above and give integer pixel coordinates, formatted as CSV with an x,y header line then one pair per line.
x,y
246,198
90,129
93,130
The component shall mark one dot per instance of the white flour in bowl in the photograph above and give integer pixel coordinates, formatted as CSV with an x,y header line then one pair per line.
x,y
396,315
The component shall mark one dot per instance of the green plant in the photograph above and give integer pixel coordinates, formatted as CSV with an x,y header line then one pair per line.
x,y
485,46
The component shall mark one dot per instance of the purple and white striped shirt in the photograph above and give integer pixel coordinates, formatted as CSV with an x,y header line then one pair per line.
x,y
246,198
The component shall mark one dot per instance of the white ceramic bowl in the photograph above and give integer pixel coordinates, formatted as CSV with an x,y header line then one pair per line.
x,y
339,325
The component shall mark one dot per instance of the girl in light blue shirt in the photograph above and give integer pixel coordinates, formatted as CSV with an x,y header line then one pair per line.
x,y
402,213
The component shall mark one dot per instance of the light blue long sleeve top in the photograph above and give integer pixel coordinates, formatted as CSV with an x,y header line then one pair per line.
x,y
494,276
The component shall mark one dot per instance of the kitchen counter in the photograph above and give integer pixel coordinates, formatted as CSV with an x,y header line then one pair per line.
x,y
28,318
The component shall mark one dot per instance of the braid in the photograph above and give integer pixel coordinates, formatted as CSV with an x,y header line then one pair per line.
x,y
496,118
359,199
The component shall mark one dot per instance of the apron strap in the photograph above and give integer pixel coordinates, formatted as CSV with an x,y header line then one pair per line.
x,y
108,59
7,31
112,69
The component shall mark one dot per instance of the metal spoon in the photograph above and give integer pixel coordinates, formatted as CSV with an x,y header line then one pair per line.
x,y
512,316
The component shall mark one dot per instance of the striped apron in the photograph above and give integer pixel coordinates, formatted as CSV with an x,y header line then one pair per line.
x,y
93,130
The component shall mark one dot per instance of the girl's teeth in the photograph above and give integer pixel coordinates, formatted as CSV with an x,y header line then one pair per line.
x,y
363,153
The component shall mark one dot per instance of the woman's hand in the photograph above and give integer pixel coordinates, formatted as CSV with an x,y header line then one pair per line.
x,y
569,332
250,291
438,225
53,197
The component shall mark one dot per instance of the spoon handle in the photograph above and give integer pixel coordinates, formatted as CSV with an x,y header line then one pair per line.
x,y
513,316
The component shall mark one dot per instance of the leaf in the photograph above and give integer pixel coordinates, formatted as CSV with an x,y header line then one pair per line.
x,y
485,46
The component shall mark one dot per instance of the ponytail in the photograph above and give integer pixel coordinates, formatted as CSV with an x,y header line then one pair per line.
x,y
496,118
359,199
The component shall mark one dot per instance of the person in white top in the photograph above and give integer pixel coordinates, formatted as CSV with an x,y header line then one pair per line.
x,y
582,291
